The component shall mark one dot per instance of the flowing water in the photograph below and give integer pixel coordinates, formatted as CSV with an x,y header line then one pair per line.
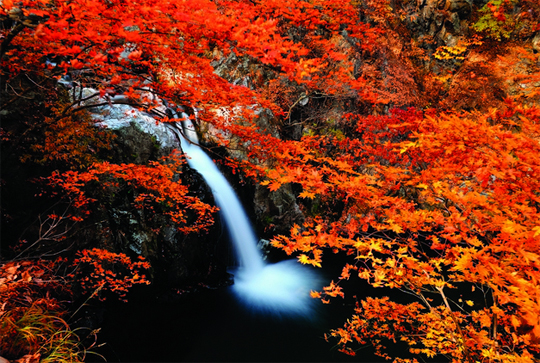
x,y
224,324
281,288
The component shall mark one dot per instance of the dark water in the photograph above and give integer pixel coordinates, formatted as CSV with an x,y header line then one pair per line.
x,y
211,326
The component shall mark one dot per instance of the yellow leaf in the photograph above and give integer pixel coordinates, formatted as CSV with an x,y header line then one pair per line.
x,y
407,146
364,274
509,227
396,228
515,321
303,259
306,194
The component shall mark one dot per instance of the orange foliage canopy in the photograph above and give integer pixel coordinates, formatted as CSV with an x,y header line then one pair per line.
x,y
165,48
434,203
155,187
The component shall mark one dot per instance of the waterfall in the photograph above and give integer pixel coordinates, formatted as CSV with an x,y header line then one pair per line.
x,y
280,288
235,218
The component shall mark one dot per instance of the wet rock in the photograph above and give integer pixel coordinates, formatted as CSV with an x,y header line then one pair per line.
x,y
536,43
276,211
176,258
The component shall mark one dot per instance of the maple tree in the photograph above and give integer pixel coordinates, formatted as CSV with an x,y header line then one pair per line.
x,y
158,192
438,199
447,208
439,205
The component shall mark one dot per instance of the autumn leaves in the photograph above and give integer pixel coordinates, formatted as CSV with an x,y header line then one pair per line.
x,y
433,201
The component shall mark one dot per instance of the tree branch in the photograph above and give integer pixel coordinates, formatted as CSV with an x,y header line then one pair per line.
x,y
12,34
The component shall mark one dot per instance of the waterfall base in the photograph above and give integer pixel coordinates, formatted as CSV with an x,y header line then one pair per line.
x,y
280,289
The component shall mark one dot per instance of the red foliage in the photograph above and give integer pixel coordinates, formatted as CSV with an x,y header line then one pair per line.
x,y
97,271
155,184
432,201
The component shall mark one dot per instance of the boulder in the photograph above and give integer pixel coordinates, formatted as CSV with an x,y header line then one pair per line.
x,y
176,259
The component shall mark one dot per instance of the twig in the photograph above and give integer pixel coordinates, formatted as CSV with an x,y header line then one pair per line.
x,y
84,303
464,346
49,234
303,97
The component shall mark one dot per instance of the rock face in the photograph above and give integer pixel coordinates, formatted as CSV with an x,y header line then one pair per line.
x,y
121,116
177,259
536,43
276,212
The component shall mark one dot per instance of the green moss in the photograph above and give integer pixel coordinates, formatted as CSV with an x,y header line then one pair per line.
x,y
337,133
493,26
268,221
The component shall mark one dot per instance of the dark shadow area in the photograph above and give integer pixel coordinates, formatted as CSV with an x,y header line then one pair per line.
x,y
211,326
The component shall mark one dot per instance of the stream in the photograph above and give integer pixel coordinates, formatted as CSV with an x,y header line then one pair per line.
x,y
213,326
266,316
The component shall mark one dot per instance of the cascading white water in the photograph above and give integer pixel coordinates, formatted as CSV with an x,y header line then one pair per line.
x,y
231,209
281,288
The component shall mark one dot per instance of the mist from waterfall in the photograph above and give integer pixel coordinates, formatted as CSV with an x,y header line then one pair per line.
x,y
281,288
